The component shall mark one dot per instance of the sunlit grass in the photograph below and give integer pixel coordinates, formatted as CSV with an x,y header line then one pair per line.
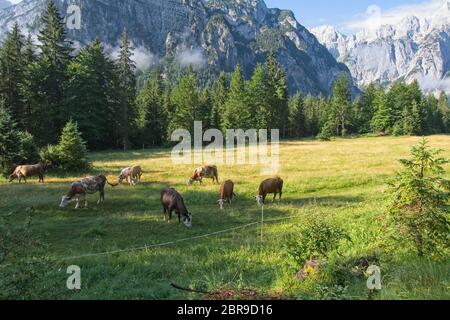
x,y
342,179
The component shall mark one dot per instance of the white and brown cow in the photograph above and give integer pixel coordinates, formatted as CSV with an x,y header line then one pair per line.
x,y
131,175
80,189
209,172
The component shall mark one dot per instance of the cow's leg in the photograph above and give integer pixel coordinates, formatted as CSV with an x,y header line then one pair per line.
x,y
78,203
274,197
165,213
102,196
85,202
170,214
264,198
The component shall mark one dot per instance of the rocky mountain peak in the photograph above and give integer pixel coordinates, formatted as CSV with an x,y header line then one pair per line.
x,y
213,34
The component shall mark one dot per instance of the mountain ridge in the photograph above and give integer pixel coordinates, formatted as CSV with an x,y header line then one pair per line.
x,y
414,49
219,34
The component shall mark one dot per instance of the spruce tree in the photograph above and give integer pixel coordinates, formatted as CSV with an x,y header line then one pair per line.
x,y
152,116
259,100
53,60
127,81
278,95
218,99
10,147
72,148
419,200
341,103
28,84
237,113
87,94
11,72
185,100
444,108
382,120
297,118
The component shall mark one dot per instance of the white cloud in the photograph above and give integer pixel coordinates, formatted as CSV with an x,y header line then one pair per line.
x,y
374,17
143,58
432,85
191,57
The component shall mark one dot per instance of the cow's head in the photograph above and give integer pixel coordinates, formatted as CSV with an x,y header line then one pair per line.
x,y
221,204
65,201
187,220
190,181
12,177
260,200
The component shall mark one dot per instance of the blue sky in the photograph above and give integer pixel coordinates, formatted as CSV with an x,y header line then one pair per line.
x,y
313,13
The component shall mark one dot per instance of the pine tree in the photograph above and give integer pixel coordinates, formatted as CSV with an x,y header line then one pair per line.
x,y
11,70
218,99
382,120
278,95
185,100
297,118
28,83
152,116
72,148
10,149
259,100
87,94
363,109
52,66
127,80
237,113
341,104
444,108
419,200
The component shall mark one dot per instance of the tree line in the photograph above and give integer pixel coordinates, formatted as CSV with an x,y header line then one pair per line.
x,y
43,86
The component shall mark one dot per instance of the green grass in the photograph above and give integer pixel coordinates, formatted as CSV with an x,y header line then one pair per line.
x,y
343,180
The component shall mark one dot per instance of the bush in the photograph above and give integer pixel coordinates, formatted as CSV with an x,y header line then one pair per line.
x,y
315,241
50,154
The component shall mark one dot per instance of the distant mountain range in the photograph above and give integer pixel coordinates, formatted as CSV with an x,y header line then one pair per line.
x,y
415,48
216,34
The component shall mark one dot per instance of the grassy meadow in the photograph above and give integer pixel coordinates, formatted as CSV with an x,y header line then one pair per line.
x,y
341,180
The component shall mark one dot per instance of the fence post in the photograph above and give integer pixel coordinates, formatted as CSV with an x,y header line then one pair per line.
x,y
262,223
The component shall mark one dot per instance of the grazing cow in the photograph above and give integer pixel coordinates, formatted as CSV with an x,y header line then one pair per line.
x,y
24,172
226,193
209,172
171,201
86,186
270,186
132,175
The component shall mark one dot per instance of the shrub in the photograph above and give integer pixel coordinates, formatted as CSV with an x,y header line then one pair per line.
x,y
419,199
50,154
315,241
71,153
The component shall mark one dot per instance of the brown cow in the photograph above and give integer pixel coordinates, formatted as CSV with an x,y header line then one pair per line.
x,y
269,186
171,201
209,172
226,193
86,186
24,172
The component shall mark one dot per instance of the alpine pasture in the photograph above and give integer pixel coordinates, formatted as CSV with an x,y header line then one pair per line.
x,y
340,181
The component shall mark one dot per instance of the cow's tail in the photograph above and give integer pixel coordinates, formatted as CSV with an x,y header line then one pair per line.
x,y
112,184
